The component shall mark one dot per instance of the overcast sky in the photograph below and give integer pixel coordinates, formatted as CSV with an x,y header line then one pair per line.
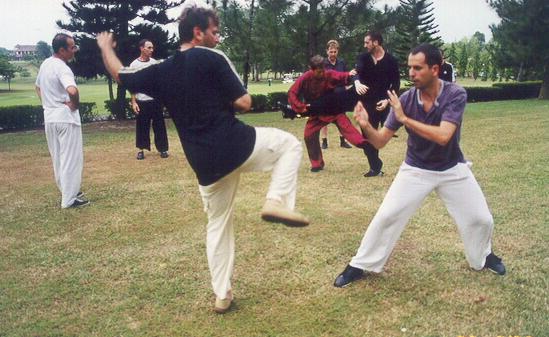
x,y
30,21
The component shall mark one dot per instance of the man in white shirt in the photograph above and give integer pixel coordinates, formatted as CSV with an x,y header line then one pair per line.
x,y
146,109
56,88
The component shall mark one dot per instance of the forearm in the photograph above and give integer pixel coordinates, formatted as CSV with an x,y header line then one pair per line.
x,y
438,134
74,96
375,137
112,63
38,92
243,103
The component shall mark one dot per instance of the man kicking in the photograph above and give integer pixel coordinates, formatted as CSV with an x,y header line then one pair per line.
x,y
201,90
314,84
432,113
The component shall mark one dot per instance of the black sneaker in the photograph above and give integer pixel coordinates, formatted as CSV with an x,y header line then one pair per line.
x,y
317,169
324,143
344,144
164,154
79,203
494,264
140,155
350,274
287,111
373,173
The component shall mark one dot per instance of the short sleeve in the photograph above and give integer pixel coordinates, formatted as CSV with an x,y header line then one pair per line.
x,y
454,108
142,80
66,77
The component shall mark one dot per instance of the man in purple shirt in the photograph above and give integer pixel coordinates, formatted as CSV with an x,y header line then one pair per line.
x,y
432,113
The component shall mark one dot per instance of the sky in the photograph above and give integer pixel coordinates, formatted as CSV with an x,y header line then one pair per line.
x,y
29,21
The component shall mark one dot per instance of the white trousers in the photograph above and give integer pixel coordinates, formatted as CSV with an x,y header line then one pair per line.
x,y
65,145
274,150
458,189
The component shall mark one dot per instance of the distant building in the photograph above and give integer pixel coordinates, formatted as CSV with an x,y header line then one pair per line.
x,y
21,52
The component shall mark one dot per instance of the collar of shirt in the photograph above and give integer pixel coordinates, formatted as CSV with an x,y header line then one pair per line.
x,y
418,94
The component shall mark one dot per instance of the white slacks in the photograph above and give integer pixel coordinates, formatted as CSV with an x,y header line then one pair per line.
x,y
274,150
458,189
65,146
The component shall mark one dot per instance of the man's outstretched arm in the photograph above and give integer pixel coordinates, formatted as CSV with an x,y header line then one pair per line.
x,y
112,63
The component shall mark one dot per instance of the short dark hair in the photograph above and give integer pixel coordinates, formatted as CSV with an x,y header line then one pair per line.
x,y
60,41
375,36
432,54
316,62
143,41
195,16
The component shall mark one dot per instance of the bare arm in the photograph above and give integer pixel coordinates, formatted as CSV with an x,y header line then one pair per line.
x,y
378,138
135,106
243,103
112,63
38,92
74,98
439,134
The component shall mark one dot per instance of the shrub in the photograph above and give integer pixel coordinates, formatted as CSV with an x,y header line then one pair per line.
x,y
259,103
504,91
115,113
31,116
274,97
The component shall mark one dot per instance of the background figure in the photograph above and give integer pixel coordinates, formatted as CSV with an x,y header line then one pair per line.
x,y
314,86
218,146
334,63
377,73
446,70
57,90
432,113
147,109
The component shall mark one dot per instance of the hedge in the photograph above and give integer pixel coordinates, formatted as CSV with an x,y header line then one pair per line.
x,y
31,116
504,91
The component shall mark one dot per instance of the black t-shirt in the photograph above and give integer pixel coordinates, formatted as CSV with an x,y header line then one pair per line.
x,y
198,87
379,77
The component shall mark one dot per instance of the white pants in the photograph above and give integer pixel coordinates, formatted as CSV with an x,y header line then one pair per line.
x,y
458,189
65,145
274,150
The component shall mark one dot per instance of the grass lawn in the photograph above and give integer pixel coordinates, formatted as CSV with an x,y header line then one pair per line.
x,y
133,263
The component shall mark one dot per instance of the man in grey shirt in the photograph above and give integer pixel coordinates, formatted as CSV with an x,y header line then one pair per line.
x,y
432,113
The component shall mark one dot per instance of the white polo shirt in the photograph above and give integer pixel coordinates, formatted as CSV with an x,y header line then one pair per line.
x,y
138,64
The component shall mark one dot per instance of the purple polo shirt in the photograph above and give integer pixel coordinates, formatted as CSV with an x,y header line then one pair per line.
x,y
449,107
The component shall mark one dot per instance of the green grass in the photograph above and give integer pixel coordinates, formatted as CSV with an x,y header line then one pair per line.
x,y
134,262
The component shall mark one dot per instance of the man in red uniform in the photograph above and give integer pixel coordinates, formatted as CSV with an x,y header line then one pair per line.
x,y
312,85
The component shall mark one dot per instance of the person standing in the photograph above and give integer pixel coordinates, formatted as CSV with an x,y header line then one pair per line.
x,y
147,109
202,90
334,63
377,73
432,113
446,70
57,90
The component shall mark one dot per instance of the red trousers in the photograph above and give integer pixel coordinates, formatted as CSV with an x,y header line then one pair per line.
x,y
312,131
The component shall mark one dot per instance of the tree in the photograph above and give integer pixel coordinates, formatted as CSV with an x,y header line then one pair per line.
x,y
521,38
416,26
7,70
43,50
130,21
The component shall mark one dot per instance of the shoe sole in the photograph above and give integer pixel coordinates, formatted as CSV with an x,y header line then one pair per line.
x,y
348,284
288,222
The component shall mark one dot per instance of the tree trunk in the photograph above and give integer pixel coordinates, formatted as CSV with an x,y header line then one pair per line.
x,y
248,46
120,110
544,90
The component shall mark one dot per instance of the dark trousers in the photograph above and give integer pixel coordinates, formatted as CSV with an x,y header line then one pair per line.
x,y
375,118
150,110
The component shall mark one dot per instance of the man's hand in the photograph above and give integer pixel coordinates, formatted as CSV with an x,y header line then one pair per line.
x,y
360,88
361,115
353,72
105,40
397,107
73,106
381,105
135,107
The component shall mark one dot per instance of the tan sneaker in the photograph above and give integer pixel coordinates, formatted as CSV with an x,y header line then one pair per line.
x,y
223,305
273,211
